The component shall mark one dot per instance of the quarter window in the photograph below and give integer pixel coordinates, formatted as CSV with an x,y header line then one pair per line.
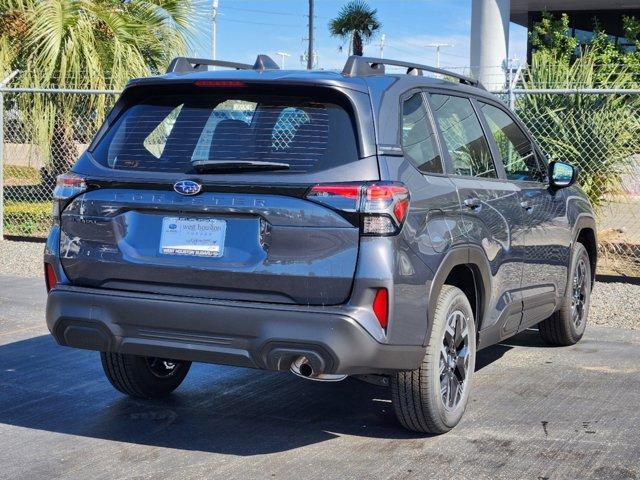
x,y
463,135
516,150
418,137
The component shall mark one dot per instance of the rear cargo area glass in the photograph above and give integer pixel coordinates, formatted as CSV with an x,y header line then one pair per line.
x,y
168,133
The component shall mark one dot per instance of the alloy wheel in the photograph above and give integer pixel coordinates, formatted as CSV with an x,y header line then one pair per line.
x,y
161,367
579,293
454,359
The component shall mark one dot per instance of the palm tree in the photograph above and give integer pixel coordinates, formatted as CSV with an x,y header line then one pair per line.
x,y
356,20
89,45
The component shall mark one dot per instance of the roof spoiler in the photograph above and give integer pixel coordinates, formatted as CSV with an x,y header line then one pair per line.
x,y
189,65
357,66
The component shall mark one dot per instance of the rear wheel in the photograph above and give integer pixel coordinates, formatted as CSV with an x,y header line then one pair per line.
x,y
143,377
567,325
433,398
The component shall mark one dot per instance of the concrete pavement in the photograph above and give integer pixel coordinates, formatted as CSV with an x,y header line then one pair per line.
x,y
536,412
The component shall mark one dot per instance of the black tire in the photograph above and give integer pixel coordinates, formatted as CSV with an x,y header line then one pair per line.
x,y
417,396
143,377
567,325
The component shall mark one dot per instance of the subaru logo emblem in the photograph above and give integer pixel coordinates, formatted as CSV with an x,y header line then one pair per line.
x,y
187,187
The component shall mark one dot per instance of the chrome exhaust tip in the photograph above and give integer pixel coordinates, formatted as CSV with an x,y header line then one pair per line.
x,y
303,368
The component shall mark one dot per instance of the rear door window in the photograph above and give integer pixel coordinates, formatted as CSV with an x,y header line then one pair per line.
x,y
418,137
463,136
517,152
167,133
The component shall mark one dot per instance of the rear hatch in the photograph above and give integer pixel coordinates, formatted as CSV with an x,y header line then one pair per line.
x,y
200,190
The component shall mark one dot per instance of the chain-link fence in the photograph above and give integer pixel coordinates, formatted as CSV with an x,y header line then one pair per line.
x,y
43,132
599,131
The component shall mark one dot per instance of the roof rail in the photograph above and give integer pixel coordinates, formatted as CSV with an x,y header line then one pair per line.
x,y
357,66
187,64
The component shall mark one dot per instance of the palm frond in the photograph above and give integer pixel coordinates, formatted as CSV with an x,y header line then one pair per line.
x,y
355,16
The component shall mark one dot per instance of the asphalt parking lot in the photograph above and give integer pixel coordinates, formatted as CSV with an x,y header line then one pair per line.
x,y
536,412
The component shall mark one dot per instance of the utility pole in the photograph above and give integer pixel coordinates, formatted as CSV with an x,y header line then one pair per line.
x,y
283,55
513,71
214,14
382,45
438,46
310,48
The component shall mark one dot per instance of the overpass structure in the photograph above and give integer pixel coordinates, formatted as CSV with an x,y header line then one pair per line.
x,y
490,21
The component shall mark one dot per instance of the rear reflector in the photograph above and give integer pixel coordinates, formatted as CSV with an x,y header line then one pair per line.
x,y
384,205
50,278
381,306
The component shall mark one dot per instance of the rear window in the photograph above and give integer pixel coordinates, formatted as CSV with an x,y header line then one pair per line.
x,y
167,133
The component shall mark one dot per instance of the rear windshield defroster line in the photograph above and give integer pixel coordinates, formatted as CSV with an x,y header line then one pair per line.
x,y
175,133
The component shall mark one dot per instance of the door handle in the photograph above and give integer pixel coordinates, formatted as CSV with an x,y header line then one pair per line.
x,y
472,203
526,204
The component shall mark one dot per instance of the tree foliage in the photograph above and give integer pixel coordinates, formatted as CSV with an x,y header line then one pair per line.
x,y
92,44
84,44
551,34
357,20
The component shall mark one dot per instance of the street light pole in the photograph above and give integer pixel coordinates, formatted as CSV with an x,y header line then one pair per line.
x,y
214,14
283,55
382,39
438,46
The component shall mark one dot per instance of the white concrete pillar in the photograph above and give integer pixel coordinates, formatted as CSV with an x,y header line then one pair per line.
x,y
489,41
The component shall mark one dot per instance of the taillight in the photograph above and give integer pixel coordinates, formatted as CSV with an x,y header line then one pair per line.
x,y
381,307
383,205
385,208
344,197
50,278
68,185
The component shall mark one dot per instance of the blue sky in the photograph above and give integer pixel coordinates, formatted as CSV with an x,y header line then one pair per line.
x,y
249,27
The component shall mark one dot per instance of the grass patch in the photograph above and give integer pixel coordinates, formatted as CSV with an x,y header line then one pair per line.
x,y
31,219
21,175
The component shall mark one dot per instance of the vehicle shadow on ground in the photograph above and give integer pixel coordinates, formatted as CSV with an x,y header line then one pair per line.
x,y
526,338
218,409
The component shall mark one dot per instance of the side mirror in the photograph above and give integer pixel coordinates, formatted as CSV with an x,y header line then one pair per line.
x,y
561,175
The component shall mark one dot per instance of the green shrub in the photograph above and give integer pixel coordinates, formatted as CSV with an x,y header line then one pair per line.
x,y
598,133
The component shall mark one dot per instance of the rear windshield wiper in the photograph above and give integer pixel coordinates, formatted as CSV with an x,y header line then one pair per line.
x,y
210,166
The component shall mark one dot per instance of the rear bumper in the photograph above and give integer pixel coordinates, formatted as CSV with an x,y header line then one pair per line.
x,y
232,333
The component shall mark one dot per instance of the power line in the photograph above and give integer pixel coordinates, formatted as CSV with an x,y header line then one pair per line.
x,y
401,50
438,46
267,12
270,12
453,55
226,19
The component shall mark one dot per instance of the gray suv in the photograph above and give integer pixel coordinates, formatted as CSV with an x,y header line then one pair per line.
x,y
380,225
